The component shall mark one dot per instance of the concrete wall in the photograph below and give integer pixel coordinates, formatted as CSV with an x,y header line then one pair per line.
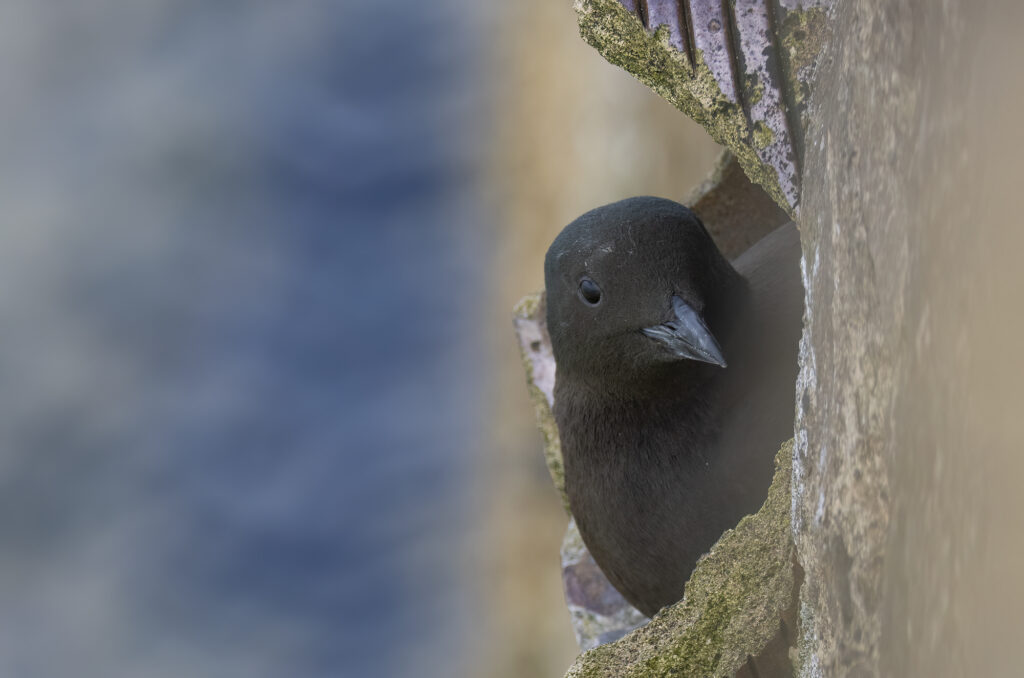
x,y
907,501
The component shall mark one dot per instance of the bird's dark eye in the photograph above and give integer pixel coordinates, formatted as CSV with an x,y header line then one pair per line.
x,y
590,292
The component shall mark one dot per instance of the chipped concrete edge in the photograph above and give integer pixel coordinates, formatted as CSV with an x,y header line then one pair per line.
x,y
713,178
621,39
735,601
535,351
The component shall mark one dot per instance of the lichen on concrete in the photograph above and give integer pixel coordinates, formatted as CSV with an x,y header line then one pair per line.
x,y
763,135
733,607
801,34
756,91
621,39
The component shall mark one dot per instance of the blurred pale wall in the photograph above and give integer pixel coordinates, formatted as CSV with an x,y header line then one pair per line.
x,y
954,599
572,132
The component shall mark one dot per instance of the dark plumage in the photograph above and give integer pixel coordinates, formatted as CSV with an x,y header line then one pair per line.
x,y
664,447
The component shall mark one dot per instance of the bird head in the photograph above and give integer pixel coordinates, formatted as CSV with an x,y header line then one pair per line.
x,y
637,289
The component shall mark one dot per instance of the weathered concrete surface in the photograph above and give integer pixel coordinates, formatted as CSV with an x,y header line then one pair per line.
x,y
622,39
734,605
739,68
528,317
907,470
764,90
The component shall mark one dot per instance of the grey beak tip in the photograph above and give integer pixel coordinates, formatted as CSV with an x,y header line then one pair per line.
x,y
688,336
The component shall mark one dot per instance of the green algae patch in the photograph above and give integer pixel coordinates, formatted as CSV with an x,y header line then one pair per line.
x,y
734,605
621,39
756,91
539,363
763,135
802,34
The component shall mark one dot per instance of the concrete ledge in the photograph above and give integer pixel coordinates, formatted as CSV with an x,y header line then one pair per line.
x,y
734,607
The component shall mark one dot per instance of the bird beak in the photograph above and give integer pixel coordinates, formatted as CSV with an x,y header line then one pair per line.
x,y
687,336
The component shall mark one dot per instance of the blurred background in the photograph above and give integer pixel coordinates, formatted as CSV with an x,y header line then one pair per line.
x,y
263,410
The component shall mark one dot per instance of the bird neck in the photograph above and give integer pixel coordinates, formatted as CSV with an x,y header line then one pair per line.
x,y
685,387
683,379
603,431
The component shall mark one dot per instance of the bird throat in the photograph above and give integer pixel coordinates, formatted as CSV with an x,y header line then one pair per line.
x,y
634,468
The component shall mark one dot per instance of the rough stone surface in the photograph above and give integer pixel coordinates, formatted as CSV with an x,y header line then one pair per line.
x,y
528,317
800,38
735,601
908,532
740,70
855,266
622,40
763,90
711,37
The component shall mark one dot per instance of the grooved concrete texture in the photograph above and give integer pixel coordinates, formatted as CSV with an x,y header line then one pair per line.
x,y
738,67
907,500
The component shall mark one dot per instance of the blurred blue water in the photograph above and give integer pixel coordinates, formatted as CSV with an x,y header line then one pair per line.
x,y
239,269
